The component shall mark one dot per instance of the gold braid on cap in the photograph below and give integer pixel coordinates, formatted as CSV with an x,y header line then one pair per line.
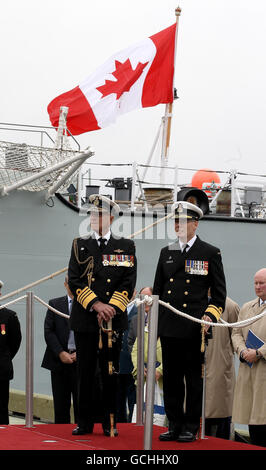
x,y
89,261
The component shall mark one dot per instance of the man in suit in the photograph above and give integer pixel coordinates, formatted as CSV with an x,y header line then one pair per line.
x,y
60,357
10,339
185,271
102,277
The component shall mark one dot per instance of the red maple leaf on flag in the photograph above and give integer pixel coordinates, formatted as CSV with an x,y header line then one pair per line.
x,y
125,78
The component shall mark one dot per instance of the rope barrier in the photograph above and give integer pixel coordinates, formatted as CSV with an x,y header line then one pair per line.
x,y
35,283
51,308
13,301
240,324
149,300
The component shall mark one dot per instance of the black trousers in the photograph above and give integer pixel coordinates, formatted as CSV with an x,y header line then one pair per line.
x,y
125,397
4,399
257,434
218,427
89,356
182,382
64,387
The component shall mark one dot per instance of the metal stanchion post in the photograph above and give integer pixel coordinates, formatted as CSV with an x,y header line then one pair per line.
x,y
29,361
202,435
140,362
151,363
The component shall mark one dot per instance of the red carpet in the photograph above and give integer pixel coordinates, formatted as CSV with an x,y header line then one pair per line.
x,y
59,437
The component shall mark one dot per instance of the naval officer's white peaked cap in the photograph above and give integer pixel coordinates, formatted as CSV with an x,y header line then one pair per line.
x,y
103,204
186,210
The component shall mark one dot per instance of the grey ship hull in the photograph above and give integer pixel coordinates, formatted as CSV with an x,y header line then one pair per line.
x,y
36,241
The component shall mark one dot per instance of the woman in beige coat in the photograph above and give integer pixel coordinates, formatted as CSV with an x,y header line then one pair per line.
x,y
249,405
220,376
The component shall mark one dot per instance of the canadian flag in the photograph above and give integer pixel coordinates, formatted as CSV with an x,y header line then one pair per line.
x,y
137,77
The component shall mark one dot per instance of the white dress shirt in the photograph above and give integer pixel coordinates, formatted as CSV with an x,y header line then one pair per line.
x,y
106,237
189,243
71,341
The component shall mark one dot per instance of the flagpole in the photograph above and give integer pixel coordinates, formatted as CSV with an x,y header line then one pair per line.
x,y
167,119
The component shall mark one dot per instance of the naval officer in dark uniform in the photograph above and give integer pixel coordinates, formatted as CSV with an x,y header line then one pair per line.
x,y
185,271
10,340
102,278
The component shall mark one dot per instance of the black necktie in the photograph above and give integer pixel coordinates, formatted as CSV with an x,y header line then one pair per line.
x,y
102,243
184,249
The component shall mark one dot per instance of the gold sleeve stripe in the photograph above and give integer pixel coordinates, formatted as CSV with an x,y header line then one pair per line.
x,y
120,300
123,295
214,311
114,297
113,301
88,299
85,296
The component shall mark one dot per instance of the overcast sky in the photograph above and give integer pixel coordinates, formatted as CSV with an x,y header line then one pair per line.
x,y
219,120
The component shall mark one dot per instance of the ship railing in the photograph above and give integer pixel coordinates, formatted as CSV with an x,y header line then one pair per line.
x,y
37,168
142,419
238,195
144,187
44,133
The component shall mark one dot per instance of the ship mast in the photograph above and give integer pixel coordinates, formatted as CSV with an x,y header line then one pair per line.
x,y
167,119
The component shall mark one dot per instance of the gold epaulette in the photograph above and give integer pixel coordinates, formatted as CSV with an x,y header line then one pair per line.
x,y
120,299
215,311
85,296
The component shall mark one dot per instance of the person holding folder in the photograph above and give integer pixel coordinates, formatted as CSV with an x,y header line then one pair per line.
x,y
249,406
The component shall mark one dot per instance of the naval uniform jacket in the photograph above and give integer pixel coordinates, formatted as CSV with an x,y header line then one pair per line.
x,y
183,280
10,339
111,278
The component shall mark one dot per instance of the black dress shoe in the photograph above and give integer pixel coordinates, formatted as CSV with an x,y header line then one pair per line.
x,y
186,436
79,430
107,432
168,436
